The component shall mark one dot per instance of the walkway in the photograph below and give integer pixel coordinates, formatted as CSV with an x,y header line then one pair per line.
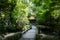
x,y
30,35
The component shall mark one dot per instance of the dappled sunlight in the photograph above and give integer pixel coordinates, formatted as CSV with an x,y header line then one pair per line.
x,y
32,18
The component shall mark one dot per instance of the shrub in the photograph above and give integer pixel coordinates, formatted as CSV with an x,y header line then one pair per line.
x,y
30,25
11,28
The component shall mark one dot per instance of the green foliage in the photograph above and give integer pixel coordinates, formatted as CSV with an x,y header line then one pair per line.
x,y
19,14
48,13
40,18
12,28
30,25
13,14
6,8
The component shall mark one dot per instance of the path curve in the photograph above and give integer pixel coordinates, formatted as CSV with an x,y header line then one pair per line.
x,y
30,35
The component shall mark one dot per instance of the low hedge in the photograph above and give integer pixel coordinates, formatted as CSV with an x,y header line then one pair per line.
x,y
14,37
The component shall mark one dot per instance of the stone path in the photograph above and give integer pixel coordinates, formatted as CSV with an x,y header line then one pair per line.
x,y
30,35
